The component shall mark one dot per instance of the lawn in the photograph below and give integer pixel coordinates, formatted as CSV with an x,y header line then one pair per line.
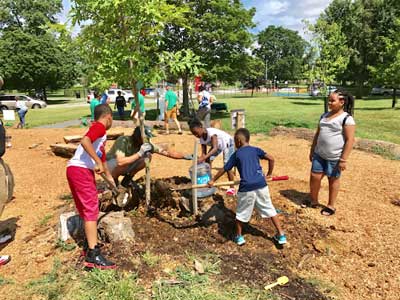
x,y
375,119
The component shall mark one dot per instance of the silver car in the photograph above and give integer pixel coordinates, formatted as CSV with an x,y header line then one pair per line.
x,y
8,102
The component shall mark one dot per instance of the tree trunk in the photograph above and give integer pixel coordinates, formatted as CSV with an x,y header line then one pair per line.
x,y
394,99
359,89
44,95
185,91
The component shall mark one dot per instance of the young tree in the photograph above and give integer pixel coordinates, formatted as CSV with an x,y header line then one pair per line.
x,y
122,38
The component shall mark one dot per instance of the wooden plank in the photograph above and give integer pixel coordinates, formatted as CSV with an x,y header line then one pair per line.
x,y
64,150
194,178
77,138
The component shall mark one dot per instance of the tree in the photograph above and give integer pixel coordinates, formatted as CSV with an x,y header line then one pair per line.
x,y
283,50
217,31
31,53
388,70
122,39
333,53
252,71
363,23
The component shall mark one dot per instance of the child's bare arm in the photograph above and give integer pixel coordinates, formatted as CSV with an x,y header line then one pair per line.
x,y
314,143
216,176
271,163
88,146
214,149
107,172
349,132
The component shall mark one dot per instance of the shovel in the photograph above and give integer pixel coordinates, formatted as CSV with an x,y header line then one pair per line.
x,y
280,281
120,197
204,185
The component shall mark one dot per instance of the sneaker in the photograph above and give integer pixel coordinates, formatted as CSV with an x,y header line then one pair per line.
x,y
5,238
94,259
231,192
4,259
239,240
281,239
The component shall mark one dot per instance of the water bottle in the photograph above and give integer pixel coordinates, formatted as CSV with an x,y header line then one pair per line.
x,y
203,177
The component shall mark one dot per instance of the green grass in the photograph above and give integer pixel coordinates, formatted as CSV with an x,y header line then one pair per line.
x,y
43,222
375,119
192,286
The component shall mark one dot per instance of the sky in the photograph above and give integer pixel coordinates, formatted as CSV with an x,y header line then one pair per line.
x,y
286,13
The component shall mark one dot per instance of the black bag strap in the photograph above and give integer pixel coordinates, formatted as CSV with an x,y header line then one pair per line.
x,y
345,119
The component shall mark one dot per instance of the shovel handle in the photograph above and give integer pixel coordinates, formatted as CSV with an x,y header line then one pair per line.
x,y
109,183
270,286
225,183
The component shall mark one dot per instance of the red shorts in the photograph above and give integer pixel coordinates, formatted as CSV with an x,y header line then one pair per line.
x,y
83,187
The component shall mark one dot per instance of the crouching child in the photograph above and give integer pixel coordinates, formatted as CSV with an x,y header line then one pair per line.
x,y
253,188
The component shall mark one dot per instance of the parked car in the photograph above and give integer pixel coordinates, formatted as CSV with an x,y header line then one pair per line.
x,y
113,93
384,91
316,90
8,102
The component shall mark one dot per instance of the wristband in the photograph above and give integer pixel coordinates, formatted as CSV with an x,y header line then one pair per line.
x,y
342,160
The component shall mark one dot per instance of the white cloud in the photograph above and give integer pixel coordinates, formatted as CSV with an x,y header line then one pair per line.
x,y
287,13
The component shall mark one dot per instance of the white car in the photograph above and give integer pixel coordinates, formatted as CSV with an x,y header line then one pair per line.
x,y
8,102
113,93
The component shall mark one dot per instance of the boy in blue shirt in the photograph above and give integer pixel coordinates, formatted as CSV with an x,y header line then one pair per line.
x,y
253,188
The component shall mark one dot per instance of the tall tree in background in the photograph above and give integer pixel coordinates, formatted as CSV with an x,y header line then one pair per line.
x,y
31,54
333,53
363,23
283,51
217,31
387,72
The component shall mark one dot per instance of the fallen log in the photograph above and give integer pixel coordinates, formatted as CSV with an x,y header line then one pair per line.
x,y
64,150
77,138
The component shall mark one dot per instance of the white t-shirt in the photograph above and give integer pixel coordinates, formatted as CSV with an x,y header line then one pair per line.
x,y
205,99
98,137
224,139
21,105
331,140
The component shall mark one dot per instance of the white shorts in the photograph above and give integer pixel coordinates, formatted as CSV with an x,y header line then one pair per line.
x,y
260,199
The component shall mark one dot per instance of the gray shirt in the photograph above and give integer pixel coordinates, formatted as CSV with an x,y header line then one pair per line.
x,y
331,140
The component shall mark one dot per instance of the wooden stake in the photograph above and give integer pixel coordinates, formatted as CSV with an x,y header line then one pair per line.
x,y
194,178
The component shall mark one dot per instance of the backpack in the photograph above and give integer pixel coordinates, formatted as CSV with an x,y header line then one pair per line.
x,y
344,120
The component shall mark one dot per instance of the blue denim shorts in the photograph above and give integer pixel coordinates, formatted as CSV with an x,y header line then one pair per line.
x,y
329,167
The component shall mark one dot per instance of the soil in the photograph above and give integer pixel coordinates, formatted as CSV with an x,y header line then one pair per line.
x,y
351,255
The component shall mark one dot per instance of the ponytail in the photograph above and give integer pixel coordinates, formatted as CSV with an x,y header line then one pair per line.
x,y
348,101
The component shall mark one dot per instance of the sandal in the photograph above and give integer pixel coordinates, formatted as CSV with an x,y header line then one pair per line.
x,y
327,211
308,203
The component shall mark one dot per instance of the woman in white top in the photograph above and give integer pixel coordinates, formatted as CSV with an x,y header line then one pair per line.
x,y
22,109
331,148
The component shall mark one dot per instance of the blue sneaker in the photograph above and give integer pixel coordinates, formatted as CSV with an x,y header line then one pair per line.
x,y
281,239
239,240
